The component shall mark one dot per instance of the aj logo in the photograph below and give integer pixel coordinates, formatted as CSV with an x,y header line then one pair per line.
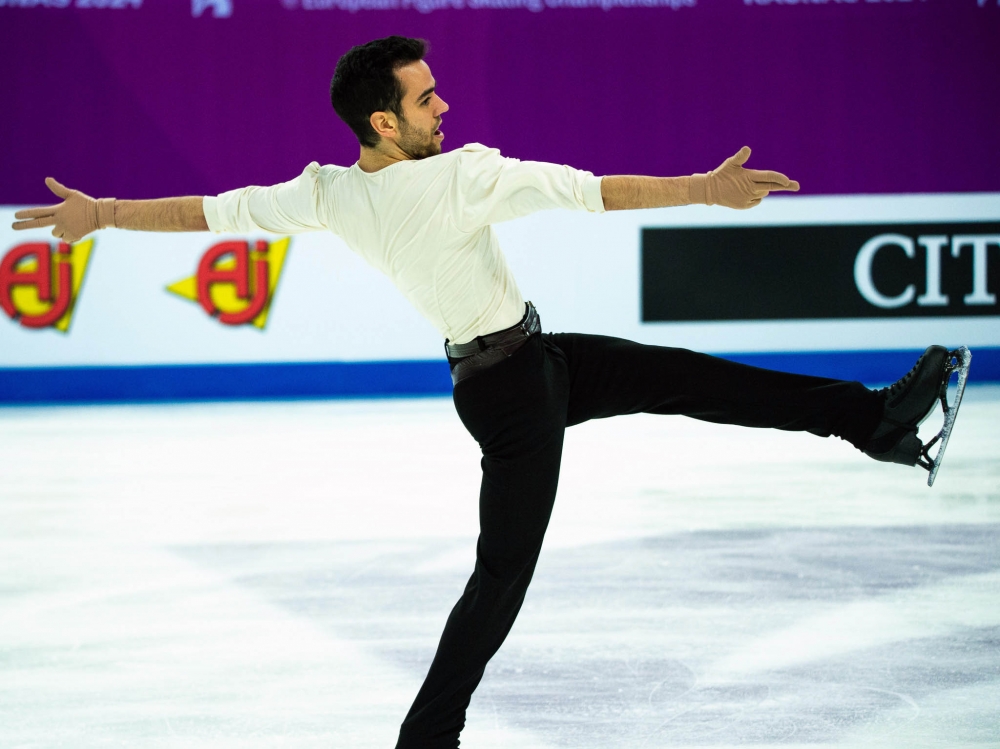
x,y
235,285
39,286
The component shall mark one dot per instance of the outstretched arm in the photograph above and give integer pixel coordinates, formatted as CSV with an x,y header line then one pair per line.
x,y
730,185
164,214
79,214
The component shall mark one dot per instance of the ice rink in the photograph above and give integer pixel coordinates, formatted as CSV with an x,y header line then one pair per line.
x,y
277,575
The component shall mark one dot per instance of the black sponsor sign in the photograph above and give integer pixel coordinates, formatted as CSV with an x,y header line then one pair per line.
x,y
816,272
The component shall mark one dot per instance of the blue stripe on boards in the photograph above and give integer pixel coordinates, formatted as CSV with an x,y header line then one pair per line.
x,y
224,382
386,379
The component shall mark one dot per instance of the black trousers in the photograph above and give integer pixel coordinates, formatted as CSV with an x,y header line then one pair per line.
x,y
518,411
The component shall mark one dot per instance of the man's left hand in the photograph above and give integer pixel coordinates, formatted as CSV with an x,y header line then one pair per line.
x,y
735,187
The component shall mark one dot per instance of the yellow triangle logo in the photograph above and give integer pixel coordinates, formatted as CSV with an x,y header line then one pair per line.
x,y
219,292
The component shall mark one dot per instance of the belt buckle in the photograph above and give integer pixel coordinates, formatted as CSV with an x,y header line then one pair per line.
x,y
526,322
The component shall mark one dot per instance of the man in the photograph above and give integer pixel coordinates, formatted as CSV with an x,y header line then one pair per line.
x,y
425,219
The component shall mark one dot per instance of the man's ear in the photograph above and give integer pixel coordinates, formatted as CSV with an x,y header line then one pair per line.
x,y
384,123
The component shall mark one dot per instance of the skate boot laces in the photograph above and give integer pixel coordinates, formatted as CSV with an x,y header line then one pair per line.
x,y
911,398
908,403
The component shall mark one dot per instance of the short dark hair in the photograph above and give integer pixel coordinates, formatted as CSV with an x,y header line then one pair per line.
x,y
365,81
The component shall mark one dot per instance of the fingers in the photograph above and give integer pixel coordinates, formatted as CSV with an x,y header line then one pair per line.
x,y
48,210
759,175
36,223
35,218
61,190
764,180
766,187
768,180
740,157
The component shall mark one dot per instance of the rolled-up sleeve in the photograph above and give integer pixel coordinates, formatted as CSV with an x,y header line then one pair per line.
x,y
492,188
288,208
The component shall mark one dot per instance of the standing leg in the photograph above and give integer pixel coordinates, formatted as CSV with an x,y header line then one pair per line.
x,y
516,410
611,376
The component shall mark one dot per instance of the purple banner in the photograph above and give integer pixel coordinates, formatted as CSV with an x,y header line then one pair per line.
x,y
149,98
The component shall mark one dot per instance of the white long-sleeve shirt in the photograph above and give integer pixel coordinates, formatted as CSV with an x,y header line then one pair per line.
x,y
425,223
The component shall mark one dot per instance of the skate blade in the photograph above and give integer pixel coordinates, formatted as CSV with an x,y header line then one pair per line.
x,y
958,361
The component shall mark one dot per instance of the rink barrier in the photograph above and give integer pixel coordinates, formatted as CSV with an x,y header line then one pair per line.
x,y
379,379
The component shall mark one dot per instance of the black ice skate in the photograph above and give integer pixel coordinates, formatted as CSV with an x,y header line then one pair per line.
x,y
908,403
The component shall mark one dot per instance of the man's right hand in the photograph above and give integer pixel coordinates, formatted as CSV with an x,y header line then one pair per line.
x,y
76,217
79,214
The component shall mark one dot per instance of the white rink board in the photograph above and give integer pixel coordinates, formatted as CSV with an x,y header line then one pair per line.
x,y
581,270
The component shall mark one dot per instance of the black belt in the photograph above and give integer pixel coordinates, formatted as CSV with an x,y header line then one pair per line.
x,y
484,351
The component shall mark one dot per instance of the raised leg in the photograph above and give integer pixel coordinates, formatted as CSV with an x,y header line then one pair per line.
x,y
612,376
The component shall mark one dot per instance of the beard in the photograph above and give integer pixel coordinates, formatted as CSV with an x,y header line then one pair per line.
x,y
415,143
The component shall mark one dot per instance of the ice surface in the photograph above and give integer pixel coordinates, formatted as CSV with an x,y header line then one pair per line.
x,y
277,574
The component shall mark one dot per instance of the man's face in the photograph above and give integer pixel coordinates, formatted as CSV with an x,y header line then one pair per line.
x,y
419,127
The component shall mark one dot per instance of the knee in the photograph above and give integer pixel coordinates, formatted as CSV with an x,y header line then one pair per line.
x,y
506,573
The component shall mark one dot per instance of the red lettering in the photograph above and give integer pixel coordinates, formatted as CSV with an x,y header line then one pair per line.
x,y
253,288
40,278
